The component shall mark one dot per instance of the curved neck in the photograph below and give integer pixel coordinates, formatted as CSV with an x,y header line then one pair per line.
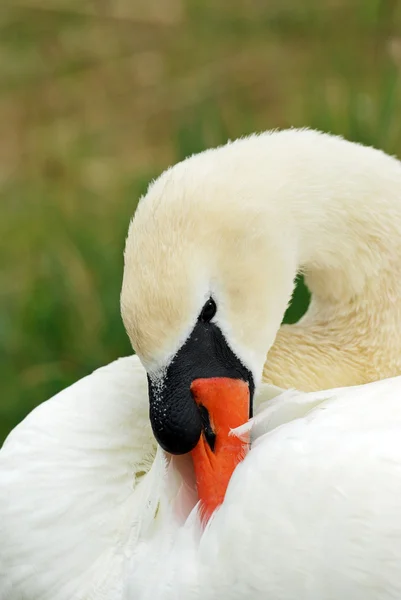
x,y
345,218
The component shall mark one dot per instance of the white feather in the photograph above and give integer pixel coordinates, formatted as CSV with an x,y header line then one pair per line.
x,y
311,513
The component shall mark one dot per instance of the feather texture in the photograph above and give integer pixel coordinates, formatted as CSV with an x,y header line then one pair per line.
x,y
311,513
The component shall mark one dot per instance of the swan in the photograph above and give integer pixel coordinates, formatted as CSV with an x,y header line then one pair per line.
x,y
91,508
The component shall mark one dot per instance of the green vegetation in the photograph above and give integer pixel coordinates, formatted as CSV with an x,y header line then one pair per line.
x,y
94,104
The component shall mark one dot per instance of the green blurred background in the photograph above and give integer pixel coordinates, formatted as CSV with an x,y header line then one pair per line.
x,y
99,96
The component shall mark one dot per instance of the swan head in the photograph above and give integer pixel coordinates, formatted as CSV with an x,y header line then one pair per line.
x,y
204,287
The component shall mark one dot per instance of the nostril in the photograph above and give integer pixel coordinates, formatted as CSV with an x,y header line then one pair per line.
x,y
208,431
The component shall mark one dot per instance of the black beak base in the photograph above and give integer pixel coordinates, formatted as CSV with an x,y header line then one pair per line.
x,y
175,417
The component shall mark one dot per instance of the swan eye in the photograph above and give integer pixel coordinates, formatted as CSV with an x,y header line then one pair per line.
x,y
208,311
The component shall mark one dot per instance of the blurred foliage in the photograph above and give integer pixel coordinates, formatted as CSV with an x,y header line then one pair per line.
x,y
98,97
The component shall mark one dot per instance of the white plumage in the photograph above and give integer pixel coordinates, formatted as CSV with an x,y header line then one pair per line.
x,y
67,474
312,512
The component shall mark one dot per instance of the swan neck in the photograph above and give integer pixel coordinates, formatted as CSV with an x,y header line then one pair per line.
x,y
344,223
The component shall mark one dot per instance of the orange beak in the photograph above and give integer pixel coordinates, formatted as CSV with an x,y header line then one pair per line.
x,y
224,405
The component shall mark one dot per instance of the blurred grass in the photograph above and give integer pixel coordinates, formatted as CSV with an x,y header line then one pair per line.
x,y
96,98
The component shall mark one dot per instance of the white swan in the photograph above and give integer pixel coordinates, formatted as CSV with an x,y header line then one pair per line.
x,y
210,263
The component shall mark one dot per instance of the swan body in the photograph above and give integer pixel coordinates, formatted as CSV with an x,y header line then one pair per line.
x,y
88,504
67,473
90,508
